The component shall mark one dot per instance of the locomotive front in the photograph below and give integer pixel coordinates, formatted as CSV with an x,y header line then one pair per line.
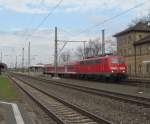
x,y
118,67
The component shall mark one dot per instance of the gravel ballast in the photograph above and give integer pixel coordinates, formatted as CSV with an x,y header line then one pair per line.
x,y
117,111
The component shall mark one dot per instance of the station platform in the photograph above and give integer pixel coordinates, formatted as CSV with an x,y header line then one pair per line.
x,y
11,113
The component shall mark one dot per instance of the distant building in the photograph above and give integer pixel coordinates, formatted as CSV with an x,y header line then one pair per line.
x,y
37,68
134,43
3,67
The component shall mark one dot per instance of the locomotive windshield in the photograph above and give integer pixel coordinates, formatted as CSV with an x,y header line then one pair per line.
x,y
117,60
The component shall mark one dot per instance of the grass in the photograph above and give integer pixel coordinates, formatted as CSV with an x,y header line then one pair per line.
x,y
7,91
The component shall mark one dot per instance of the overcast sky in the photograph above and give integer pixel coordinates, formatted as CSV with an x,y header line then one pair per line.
x,y
74,19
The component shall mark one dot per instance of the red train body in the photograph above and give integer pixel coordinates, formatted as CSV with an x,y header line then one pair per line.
x,y
99,67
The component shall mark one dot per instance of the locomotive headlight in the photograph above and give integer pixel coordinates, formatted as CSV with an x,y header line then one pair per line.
x,y
114,68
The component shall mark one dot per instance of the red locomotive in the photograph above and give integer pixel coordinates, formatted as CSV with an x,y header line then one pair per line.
x,y
104,67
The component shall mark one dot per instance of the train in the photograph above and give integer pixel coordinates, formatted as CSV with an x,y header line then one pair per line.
x,y
103,67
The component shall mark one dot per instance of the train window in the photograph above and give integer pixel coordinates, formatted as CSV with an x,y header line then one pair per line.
x,y
70,67
81,62
117,60
89,62
86,62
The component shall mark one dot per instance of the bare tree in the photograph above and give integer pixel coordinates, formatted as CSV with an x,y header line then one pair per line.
x,y
93,48
111,46
65,56
143,19
80,52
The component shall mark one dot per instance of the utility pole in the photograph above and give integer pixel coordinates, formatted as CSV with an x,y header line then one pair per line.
x,y
29,59
23,59
84,49
56,54
103,42
16,63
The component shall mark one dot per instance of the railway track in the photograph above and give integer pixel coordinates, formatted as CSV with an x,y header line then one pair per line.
x,y
62,111
141,101
137,83
128,82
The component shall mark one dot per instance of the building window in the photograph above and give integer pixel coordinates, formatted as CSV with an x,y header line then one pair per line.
x,y
148,49
129,68
140,51
125,52
120,52
140,68
129,51
148,68
140,36
129,39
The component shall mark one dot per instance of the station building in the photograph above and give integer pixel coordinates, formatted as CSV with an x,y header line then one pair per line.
x,y
134,44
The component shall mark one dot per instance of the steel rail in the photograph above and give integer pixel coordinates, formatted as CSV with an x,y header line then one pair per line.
x,y
141,101
43,107
94,117
128,82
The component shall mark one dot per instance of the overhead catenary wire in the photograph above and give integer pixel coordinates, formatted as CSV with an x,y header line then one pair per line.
x,y
85,30
118,15
30,22
45,18
62,47
111,18
106,20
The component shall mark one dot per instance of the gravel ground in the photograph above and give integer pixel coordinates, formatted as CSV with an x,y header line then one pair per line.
x,y
131,90
117,111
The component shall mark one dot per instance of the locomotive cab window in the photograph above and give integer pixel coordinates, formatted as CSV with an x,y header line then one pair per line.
x,y
88,62
117,60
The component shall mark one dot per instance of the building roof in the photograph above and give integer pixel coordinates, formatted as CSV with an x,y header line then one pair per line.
x,y
143,41
48,65
139,27
38,66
